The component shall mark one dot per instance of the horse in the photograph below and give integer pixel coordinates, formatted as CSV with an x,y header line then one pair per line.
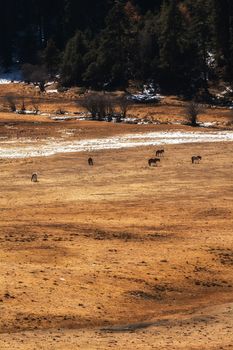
x,y
90,161
196,159
159,152
34,177
153,161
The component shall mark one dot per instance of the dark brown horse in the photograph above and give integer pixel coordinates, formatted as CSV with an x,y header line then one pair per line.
x,y
34,177
196,159
90,161
153,161
159,153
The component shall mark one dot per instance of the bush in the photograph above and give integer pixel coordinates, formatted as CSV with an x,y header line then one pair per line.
x,y
192,110
35,105
124,104
100,106
22,109
230,118
35,74
11,102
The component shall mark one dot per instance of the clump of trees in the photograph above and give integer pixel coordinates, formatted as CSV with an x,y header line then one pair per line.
x,y
103,106
12,101
35,74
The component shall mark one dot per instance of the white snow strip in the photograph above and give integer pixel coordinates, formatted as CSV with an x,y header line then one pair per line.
x,y
30,148
52,91
207,124
64,118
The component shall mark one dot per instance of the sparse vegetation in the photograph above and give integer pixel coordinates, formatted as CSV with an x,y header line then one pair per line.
x,y
99,106
230,118
192,110
35,74
11,102
22,108
124,104
35,105
103,105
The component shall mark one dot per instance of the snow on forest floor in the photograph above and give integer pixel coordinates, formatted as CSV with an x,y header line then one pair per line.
x,y
14,76
26,148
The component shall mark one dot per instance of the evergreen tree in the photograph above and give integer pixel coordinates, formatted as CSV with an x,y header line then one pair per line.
x,y
201,29
223,21
7,16
73,63
51,57
146,58
112,63
171,42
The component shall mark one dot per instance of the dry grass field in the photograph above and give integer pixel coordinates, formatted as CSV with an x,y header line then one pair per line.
x,y
119,255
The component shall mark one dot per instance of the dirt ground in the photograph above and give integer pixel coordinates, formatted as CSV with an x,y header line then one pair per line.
x,y
118,255
171,108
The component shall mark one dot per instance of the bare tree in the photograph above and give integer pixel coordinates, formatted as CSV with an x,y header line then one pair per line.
x,y
90,103
35,105
11,103
98,105
22,108
124,104
106,106
192,110
35,74
230,118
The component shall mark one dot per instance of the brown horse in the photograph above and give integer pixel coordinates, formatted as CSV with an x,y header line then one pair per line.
x,y
196,159
34,177
153,161
90,161
159,153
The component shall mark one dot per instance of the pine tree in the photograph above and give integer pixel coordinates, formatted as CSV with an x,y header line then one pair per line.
x,y
223,21
112,63
7,29
201,30
146,58
73,62
51,57
171,44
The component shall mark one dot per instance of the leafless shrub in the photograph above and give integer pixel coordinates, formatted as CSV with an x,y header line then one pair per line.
x,y
230,118
35,74
106,106
98,105
11,102
22,108
60,111
192,110
90,103
124,104
35,105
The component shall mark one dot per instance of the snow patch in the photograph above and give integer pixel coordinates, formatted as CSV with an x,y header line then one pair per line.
x,y
207,124
13,76
26,148
52,91
148,95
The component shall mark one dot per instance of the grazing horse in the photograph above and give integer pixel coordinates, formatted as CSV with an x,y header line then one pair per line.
x,y
90,161
153,161
196,159
159,153
34,177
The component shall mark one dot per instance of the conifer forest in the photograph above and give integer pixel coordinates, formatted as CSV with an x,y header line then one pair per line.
x,y
180,45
